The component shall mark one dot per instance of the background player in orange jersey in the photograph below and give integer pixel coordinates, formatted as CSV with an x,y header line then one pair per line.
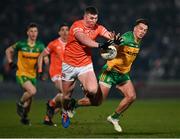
x,y
77,57
56,50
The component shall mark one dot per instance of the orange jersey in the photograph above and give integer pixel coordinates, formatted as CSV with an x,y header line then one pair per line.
x,y
76,54
56,50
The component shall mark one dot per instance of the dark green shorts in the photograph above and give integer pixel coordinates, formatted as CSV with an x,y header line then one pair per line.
x,y
22,79
112,77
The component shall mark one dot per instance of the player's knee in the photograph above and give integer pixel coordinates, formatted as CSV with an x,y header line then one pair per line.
x,y
92,90
32,91
131,97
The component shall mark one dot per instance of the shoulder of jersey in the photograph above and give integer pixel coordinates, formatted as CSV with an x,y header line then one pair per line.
x,y
126,34
77,22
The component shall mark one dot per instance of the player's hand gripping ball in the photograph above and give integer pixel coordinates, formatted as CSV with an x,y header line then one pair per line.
x,y
109,53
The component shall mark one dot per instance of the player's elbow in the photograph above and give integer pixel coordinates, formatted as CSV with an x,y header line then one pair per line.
x,y
40,57
8,51
46,60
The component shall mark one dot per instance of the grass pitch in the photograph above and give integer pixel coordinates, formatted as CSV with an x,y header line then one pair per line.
x,y
145,118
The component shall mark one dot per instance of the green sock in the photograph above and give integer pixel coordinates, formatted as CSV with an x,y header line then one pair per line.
x,y
115,115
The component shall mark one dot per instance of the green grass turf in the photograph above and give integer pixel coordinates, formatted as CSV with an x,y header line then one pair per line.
x,y
145,118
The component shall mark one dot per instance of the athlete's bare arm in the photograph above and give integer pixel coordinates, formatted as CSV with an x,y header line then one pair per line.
x,y
46,62
42,56
85,40
9,54
109,35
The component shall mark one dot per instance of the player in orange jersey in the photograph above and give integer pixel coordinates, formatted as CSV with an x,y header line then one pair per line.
x,y
77,57
116,72
56,51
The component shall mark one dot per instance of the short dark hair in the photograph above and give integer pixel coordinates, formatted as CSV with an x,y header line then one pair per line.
x,y
91,10
32,25
141,20
63,24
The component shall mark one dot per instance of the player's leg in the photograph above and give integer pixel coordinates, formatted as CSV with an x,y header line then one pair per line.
x,y
23,106
106,79
103,90
68,87
129,93
58,84
28,84
27,107
69,76
57,99
54,104
89,82
68,80
30,91
101,95
91,100
20,108
27,96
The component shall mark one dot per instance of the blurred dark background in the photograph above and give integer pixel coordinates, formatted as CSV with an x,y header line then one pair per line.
x,y
159,58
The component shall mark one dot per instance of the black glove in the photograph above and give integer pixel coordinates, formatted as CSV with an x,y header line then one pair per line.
x,y
12,65
40,75
105,45
117,39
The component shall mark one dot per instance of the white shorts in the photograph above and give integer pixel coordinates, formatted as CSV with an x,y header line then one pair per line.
x,y
56,77
70,73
